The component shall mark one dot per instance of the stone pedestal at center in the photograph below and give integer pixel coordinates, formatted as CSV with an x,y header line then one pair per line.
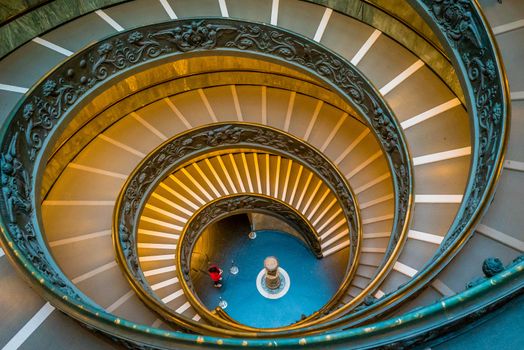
x,y
272,276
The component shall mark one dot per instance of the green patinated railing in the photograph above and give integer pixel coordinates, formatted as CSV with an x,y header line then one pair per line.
x,y
467,41
467,38
241,203
176,153
33,126
393,19
392,23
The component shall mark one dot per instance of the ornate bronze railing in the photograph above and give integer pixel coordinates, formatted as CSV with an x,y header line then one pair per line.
x,y
393,19
181,149
34,125
95,117
226,206
467,38
241,203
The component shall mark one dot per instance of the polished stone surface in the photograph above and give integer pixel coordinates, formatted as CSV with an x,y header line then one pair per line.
x,y
10,9
313,281
44,18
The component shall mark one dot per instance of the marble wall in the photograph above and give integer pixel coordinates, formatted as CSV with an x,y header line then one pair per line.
x,y
40,20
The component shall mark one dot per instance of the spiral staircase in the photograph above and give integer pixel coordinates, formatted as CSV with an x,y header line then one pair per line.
x,y
378,130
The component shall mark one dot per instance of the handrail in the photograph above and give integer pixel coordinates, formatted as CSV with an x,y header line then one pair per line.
x,y
70,146
372,12
219,209
34,125
466,35
240,203
178,151
482,77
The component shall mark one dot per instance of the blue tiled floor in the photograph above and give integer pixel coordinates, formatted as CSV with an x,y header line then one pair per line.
x,y
313,281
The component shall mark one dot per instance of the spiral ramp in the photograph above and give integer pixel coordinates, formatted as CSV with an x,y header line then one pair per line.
x,y
77,212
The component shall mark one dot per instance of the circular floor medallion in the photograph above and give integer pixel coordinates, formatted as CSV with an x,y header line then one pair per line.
x,y
268,293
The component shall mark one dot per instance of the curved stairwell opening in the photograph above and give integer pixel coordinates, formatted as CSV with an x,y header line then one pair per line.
x,y
380,137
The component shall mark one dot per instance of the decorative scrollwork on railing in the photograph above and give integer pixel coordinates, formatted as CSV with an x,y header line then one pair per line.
x,y
460,23
16,188
492,267
177,151
36,123
475,53
28,131
236,204
16,195
464,33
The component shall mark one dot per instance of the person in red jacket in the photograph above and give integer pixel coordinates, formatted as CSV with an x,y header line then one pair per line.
x,y
215,273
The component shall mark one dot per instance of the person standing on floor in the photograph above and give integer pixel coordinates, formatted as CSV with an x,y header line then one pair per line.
x,y
215,273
